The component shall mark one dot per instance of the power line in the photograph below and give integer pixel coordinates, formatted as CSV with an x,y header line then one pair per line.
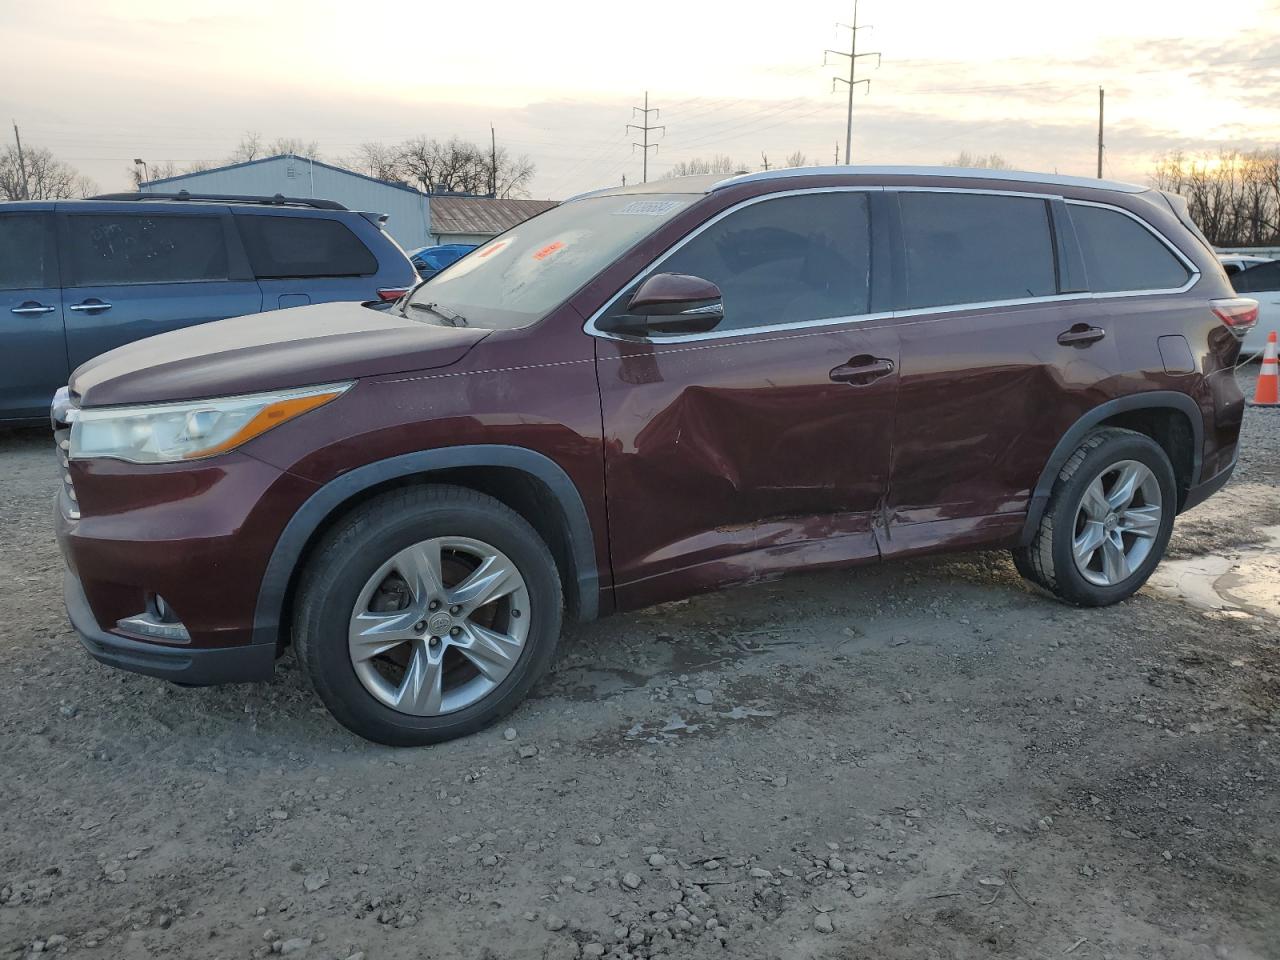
x,y
644,128
853,56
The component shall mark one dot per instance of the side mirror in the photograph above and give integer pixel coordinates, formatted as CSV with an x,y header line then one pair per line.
x,y
669,304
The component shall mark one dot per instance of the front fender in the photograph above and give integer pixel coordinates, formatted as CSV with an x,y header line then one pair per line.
x,y
321,505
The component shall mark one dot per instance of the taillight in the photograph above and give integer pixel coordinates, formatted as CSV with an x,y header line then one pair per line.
x,y
389,294
1238,313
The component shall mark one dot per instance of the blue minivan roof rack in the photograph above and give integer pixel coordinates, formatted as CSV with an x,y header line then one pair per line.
x,y
279,200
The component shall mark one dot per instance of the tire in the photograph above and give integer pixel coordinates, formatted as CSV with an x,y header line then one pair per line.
x,y
337,613
1049,560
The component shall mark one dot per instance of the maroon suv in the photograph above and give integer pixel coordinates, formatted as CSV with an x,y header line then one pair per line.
x,y
642,394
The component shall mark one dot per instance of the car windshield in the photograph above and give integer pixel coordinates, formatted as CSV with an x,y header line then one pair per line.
x,y
516,278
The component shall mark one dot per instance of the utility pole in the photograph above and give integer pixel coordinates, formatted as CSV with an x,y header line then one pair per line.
x,y
853,56
644,128
1102,94
493,162
22,165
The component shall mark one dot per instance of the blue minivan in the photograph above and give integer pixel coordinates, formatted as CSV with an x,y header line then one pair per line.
x,y
80,277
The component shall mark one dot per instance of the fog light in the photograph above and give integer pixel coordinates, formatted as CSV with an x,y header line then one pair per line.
x,y
158,621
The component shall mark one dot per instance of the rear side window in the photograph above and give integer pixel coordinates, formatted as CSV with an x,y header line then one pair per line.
x,y
973,248
24,252
122,248
1264,278
786,260
1121,254
281,247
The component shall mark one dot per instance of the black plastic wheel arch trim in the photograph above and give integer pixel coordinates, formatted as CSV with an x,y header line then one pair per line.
x,y
1151,400
321,504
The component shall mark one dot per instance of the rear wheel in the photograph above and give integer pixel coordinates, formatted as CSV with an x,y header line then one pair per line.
x,y
1107,522
427,614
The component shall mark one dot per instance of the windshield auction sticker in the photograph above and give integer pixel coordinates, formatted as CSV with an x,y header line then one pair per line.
x,y
648,208
548,250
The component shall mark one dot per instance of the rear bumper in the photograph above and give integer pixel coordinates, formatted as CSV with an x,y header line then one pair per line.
x,y
195,667
1206,489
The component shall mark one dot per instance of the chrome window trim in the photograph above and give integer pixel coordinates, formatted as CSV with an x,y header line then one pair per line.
x,y
965,173
590,326
1192,270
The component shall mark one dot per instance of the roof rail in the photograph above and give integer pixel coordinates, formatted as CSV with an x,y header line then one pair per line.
x,y
1016,176
279,200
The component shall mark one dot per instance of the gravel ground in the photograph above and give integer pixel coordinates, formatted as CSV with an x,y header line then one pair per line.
x,y
918,760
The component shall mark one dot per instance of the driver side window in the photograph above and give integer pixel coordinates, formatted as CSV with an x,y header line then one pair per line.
x,y
782,260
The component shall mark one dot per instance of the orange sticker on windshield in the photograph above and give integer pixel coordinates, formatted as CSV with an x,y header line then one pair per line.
x,y
492,249
548,250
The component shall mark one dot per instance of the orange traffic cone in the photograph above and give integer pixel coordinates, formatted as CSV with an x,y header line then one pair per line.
x,y
1268,392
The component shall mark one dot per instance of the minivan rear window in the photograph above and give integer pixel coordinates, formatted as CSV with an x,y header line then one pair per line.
x,y
289,247
1121,254
974,248
108,249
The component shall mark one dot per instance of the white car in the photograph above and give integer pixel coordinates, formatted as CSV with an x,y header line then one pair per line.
x,y
1235,262
1260,281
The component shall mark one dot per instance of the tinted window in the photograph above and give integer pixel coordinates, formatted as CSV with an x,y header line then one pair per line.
x,y
123,248
973,248
1122,254
1265,277
785,260
23,252
304,247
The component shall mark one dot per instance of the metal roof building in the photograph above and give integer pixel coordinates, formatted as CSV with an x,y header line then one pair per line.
x,y
414,219
464,219
408,216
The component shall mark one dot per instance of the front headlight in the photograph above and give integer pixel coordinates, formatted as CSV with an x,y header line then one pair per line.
x,y
173,432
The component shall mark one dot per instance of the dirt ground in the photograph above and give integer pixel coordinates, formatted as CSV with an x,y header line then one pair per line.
x,y
917,760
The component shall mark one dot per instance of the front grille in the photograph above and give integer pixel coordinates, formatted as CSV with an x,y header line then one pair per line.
x,y
62,414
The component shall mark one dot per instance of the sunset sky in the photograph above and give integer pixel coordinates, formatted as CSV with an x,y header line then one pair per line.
x,y
102,82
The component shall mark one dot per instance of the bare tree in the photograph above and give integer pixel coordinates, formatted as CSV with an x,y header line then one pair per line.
x,y
797,159
511,176
1233,196
162,170
294,145
720,163
40,176
991,161
253,147
377,160
459,166
249,148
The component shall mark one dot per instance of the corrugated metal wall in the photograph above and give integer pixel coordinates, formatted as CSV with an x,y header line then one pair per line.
x,y
476,238
408,214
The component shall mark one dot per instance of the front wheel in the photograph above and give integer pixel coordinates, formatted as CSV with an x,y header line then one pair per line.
x,y
426,614
1107,522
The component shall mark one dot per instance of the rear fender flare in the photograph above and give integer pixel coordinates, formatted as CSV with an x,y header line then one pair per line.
x,y
1156,399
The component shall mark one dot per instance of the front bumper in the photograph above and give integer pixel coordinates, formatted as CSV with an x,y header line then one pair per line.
x,y
191,666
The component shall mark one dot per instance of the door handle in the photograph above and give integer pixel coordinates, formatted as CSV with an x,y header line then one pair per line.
x,y
90,305
1081,335
31,307
862,369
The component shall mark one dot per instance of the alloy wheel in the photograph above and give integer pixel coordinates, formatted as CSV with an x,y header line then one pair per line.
x,y
439,626
1117,523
